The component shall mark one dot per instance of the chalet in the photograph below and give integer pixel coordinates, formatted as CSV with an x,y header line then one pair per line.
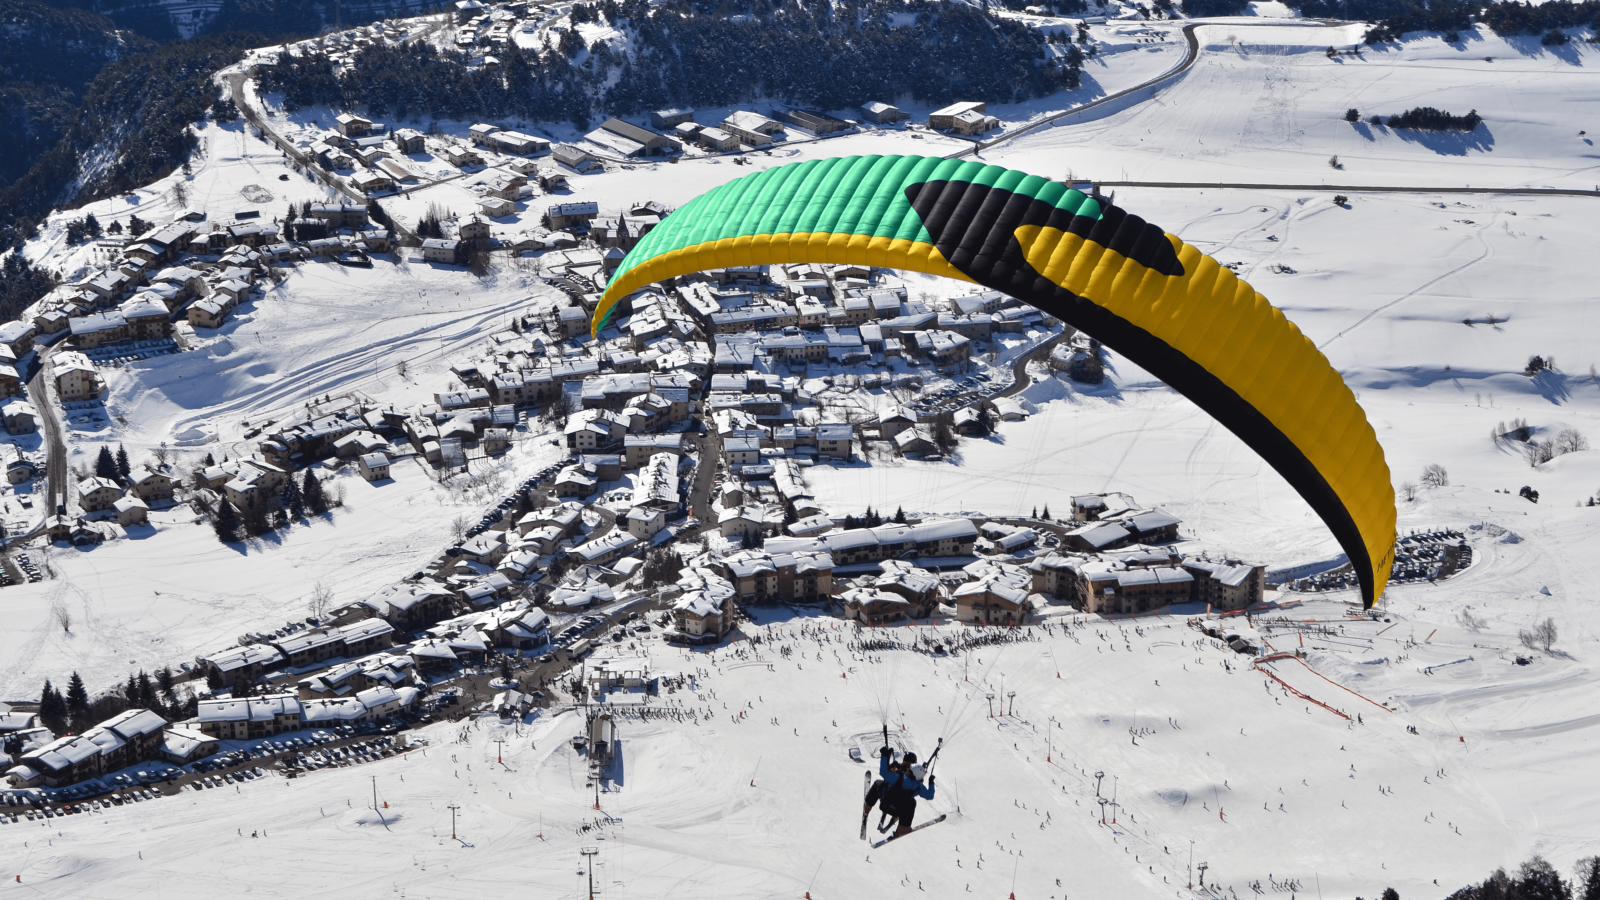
x,y
207,314
365,637
992,601
917,586
1227,585
517,143
605,549
1140,589
835,441
20,416
408,140
371,181
147,320
574,158
645,523
442,250
374,466
496,207
461,157
339,215
882,113
18,337
746,524
751,128
49,321
244,665
249,718
181,746
351,125
306,648
1149,527
966,118
564,518
149,485
254,479
76,377
474,229
10,381
131,510
703,616
561,216
127,739
717,140
98,329
664,119
410,606
895,419
870,606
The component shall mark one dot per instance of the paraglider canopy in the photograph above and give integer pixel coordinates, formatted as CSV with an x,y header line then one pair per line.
x,y
1142,292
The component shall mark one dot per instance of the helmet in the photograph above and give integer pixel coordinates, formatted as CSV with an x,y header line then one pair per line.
x,y
918,770
909,758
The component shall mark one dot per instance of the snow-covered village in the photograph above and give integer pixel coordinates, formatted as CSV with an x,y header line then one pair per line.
x,y
612,480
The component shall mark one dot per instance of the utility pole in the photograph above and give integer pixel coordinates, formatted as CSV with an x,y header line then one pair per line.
x,y
453,809
589,854
1202,867
1191,865
374,792
498,746
990,698
1011,702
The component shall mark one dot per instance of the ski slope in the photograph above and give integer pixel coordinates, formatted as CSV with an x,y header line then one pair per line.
x,y
1193,744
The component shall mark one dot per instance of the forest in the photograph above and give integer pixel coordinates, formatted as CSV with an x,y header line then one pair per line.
x,y
136,113
828,57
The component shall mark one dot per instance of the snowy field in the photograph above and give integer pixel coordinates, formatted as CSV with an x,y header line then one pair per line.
x,y
1193,744
1383,286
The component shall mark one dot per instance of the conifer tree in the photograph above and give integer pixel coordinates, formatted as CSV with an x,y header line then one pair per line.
x,y
255,517
77,700
123,468
226,522
291,499
106,465
52,708
312,491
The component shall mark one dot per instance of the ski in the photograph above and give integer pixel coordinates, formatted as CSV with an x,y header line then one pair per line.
x,y
866,810
912,831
